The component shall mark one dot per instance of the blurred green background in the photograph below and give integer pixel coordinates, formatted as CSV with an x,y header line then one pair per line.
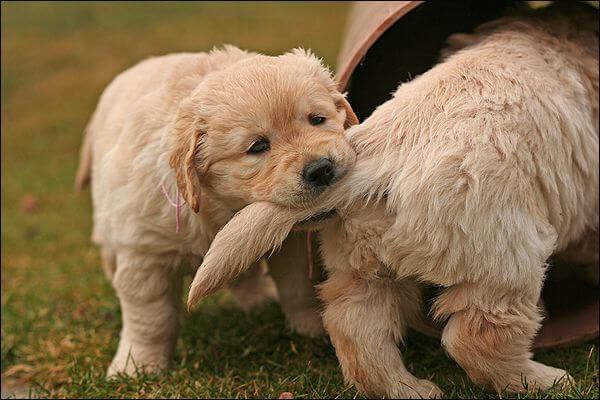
x,y
60,317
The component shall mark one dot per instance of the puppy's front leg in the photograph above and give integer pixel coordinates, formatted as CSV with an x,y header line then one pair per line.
x,y
150,294
289,269
365,319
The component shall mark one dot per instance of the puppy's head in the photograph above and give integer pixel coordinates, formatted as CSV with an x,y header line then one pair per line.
x,y
265,128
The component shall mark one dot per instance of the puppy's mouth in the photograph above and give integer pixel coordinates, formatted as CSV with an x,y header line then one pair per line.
x,y
316,221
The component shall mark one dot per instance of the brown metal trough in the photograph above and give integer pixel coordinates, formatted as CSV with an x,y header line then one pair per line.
x,y
389,42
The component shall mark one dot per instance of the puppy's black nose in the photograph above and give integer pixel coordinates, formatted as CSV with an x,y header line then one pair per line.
x,y
319,172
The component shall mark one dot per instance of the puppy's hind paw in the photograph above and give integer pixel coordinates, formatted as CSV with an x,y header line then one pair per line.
x,y
254,292
307,322
545,377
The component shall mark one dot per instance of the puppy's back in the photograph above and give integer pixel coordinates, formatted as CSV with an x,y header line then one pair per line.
x,y
508,123
151,89
503,134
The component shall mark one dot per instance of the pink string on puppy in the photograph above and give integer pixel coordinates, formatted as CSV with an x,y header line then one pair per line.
x,y
309,252
174,204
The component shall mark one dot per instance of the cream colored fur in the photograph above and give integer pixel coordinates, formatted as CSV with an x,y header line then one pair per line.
x,y
186,121
470,177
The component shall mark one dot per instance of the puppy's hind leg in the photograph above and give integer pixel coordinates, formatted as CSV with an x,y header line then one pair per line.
x,y
289,269
365,319
490,333
150,296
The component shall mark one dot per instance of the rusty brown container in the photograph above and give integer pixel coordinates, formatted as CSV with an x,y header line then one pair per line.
x,y
389,42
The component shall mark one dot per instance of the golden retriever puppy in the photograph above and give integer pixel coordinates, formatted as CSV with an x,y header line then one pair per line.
x,y
470,177
176,146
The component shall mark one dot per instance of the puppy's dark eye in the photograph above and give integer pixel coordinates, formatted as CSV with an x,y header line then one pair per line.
x,y
316,119
260,146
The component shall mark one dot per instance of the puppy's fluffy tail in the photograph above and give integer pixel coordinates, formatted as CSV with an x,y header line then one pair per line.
x,y
251,233
263,226
84,170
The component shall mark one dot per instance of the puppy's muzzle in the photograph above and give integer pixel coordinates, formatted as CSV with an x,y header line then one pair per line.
x,y
319,174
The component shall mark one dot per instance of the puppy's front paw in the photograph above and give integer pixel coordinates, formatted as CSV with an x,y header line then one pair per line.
x,y
421,389
252,293
132,368
306,321
132,360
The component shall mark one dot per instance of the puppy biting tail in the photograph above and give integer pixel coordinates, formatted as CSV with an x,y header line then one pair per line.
x,y
84,170
263,226
251,233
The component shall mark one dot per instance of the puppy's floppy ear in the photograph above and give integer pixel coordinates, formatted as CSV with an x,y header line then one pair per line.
x,y
188,129
342,103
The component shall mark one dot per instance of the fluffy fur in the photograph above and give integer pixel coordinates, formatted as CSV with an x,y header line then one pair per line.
x,y
186,122
470,177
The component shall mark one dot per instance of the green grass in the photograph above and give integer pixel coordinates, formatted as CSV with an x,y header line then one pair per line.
x,y
60,317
